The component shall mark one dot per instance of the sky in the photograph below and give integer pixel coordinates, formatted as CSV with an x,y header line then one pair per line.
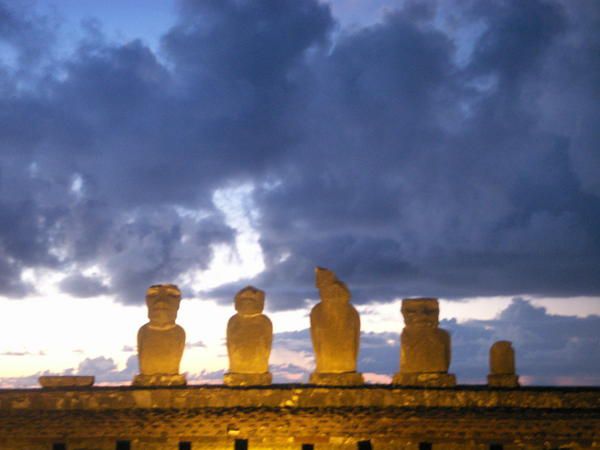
x,y
431,148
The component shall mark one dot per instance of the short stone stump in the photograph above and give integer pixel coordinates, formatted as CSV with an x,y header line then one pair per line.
x,y
503,380
247,379
337,379
424,379
159,380
59,381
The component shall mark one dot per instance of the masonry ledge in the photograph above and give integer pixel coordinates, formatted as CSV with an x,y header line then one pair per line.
x,y
297,396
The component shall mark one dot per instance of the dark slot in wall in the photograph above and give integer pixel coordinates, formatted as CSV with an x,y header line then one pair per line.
x,y
123,445
241,444
425,446
59,446
364,445
496,447
185,445
308,447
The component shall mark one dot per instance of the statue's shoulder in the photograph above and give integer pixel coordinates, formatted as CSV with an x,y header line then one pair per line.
x,y
143,329
179,331
233,320
316,310
263,318
443,333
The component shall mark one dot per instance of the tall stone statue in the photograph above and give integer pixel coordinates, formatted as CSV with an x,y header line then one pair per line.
x,y
424,348
161,341
249,337
502,365
335,333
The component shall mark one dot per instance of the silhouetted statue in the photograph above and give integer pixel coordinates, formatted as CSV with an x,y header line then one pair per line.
x,y
502,365
335,333
424,348
161,341
249,337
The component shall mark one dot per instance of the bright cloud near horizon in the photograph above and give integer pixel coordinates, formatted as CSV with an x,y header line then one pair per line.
x,y
417,148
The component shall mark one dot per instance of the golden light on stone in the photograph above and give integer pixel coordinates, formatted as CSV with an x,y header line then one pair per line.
x,y
502,365
161,341
337,411
335,333
62,381
249,338
424,347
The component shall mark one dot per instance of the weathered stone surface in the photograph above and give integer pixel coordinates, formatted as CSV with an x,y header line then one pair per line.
x,y
161,341
424,379
249,338
335,332
282,416
159,380
52,381
336,379
502,365
424,348
247,379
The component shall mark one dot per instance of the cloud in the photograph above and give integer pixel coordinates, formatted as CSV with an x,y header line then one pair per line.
x,y
550,349
447,149
23,353
206,377
419,176
106,371
197,344
81,286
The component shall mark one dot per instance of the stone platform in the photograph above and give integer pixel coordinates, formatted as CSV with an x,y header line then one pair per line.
x,y
159,380
247,379
424,379
503,380
287,416
65,381
337,379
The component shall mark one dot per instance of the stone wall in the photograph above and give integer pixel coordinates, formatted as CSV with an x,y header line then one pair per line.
x,y
286,416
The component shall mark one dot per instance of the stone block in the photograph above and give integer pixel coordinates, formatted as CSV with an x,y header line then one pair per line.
x,y
247,379
337,379
503,380
51,381
159,380
424,379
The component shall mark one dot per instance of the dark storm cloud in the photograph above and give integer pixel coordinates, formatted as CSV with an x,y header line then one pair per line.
x,y
449,150
82,286
422,175
26,34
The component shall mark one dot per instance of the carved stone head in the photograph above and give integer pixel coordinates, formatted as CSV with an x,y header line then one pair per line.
x,y
250,301
330,288
502,358
324,277
421,312
163,302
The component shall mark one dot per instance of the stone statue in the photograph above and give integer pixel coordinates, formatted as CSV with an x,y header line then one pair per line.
x,y
335,333
425,348
249,337
502,365
161,341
